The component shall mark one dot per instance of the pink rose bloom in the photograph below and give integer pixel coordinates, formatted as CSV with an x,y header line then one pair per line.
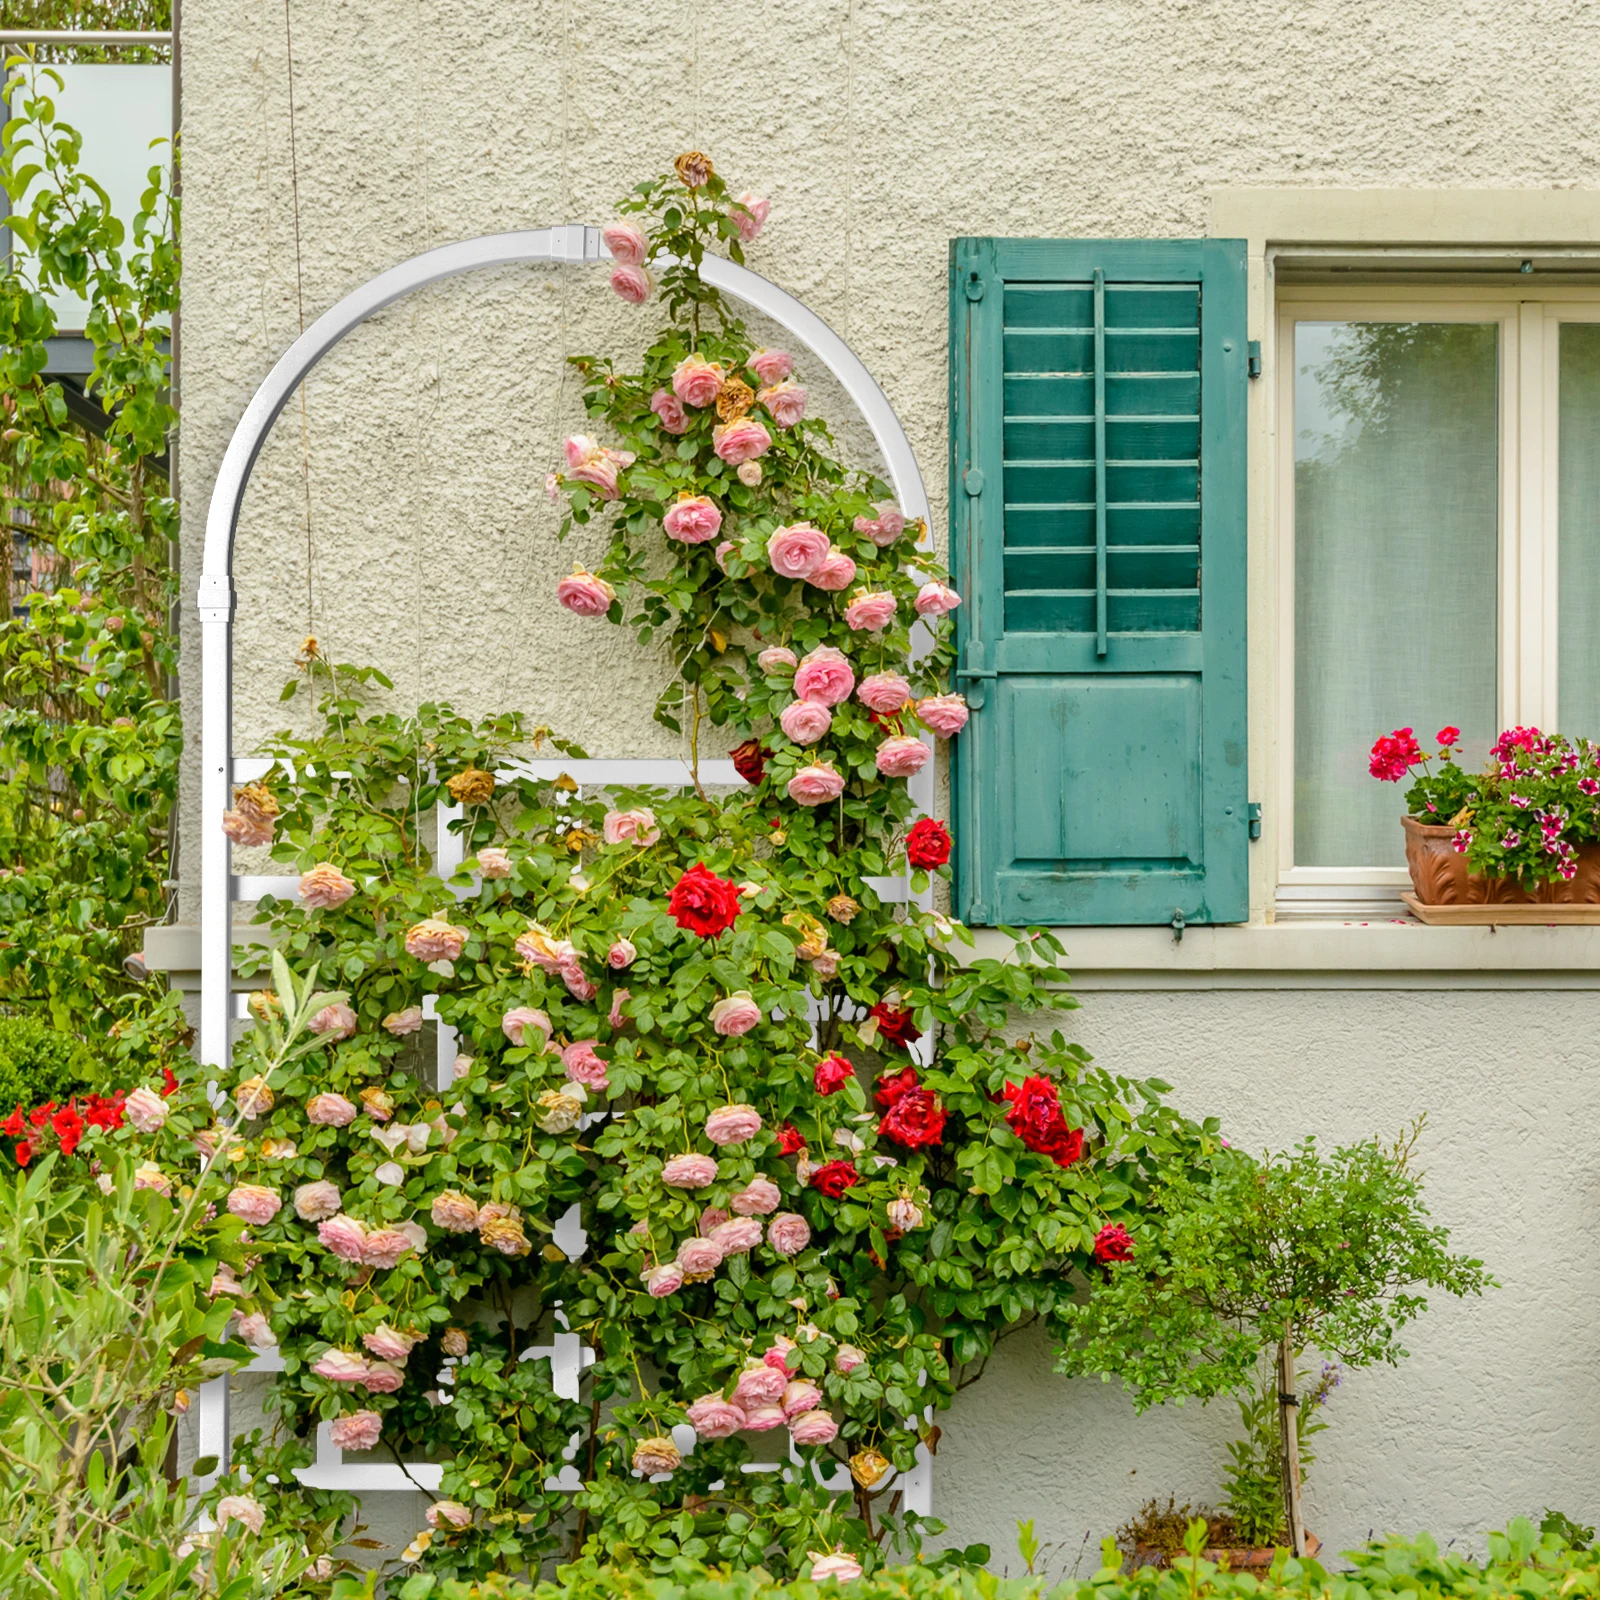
x,y
324,888
721,553
837,1565
935,599
256,1332
493,862
738,1236
884,692
585,595
788,1233
884,528
316,1202
244,1509
699,1257
630,283
145,1109
871,610
763,1419
777,1357
712,1417
799,1396
735,1014
388,1344
149,1176
434,939
813,1428
626,242
386,1246
338,1021
749,215
248,828
454,1212
253,1204
584,1066
758,1198
552,487
826,966
824,676
815,786
771,366
696,382
360,1430
538,947
693,519
905,1214
777,658
748,473
341,1366
901,756
402,1024
689,1171
578,986
669,408
740,441
661,1281
330,1111
712,1217
786,401
797,551
836,573
631,827
516,1022
619,999
805,721
450,1512
383,1377
733,1124
847,1358
946,714
620,955
758,1385
596,464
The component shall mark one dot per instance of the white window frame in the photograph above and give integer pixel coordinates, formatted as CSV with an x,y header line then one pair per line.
x,y
1529,321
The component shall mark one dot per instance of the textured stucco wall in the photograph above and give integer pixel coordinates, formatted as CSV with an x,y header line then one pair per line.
x,y
881,128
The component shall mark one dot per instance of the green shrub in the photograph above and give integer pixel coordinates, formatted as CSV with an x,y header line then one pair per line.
x,y
39,1063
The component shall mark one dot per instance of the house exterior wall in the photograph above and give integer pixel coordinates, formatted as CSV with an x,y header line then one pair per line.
x,y
882,128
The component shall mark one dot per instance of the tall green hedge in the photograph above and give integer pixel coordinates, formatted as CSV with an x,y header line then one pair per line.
x,y
39,1063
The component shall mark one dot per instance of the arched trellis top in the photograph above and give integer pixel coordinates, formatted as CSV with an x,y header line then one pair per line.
x,y
575,245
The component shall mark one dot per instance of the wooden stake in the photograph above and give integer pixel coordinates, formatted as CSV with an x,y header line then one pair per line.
x,y
1289,1430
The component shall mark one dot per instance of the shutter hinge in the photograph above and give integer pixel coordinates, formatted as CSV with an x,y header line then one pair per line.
x,y
1179,923
1253,817
1252,360
974,285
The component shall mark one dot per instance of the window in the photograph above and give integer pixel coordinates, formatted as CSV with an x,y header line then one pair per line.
x,y
1440,547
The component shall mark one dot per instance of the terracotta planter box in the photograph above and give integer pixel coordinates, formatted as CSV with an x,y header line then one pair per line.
x,y
1443,891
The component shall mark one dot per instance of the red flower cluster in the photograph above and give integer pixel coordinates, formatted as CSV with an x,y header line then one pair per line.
x,y
832,1074
928,844
67,1123
1514,739
750,761
1394,755
895,1025
915,1120
1037,1120
790,1140
704,903
832,1178
1113,1243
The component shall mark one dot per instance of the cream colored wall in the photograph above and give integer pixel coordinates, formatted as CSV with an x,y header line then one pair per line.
x,y
882,128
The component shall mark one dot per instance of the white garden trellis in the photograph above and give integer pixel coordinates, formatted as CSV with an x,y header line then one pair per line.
x,y
220,889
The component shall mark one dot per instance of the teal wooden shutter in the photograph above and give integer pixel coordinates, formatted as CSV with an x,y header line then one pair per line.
x,y
1098,537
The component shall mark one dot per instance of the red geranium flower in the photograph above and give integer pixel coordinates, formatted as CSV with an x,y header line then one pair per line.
x,y
915,1119
704,903
894,1084
1448,737
750,761
69,1128
789,1140
832,1178
832,1074
1037,1120
928,844
1113,1243
895,1025
1394,755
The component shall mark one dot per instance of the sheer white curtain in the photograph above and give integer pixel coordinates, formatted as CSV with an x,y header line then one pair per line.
x,y
1396,546
1578,530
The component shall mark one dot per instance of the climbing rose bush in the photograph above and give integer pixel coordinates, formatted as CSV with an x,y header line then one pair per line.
x,y
773,1149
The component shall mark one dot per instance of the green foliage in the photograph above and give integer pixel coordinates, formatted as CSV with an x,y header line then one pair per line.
x,y
1564,1528
1254,1476
38,1063
139,16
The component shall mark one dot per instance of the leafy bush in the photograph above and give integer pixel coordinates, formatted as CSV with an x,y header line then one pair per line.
x,y
39,1063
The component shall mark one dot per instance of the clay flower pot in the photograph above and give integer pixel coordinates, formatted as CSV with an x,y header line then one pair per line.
x,y
1257,1558
1440,878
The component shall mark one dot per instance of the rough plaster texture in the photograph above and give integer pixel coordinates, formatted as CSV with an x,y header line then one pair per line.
x,y
882,128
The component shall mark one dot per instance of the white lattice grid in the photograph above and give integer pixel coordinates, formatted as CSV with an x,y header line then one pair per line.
x,y
567,1354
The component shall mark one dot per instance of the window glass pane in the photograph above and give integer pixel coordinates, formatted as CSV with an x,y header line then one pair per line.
x,y
1578,524
1396,551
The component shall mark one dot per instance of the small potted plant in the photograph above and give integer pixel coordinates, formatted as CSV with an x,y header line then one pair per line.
x,y
1517,842
1235,1274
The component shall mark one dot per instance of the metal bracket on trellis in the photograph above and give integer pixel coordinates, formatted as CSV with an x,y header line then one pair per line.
x,y
220,1005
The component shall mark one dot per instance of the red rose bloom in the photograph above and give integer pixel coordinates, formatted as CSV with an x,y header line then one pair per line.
x,y
169,1083
69,1128
894,1025
1037,1120
894,1084
1113,1243
704,903
789,1140
832,1074
832,1178
916,1119
750,761
928,844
